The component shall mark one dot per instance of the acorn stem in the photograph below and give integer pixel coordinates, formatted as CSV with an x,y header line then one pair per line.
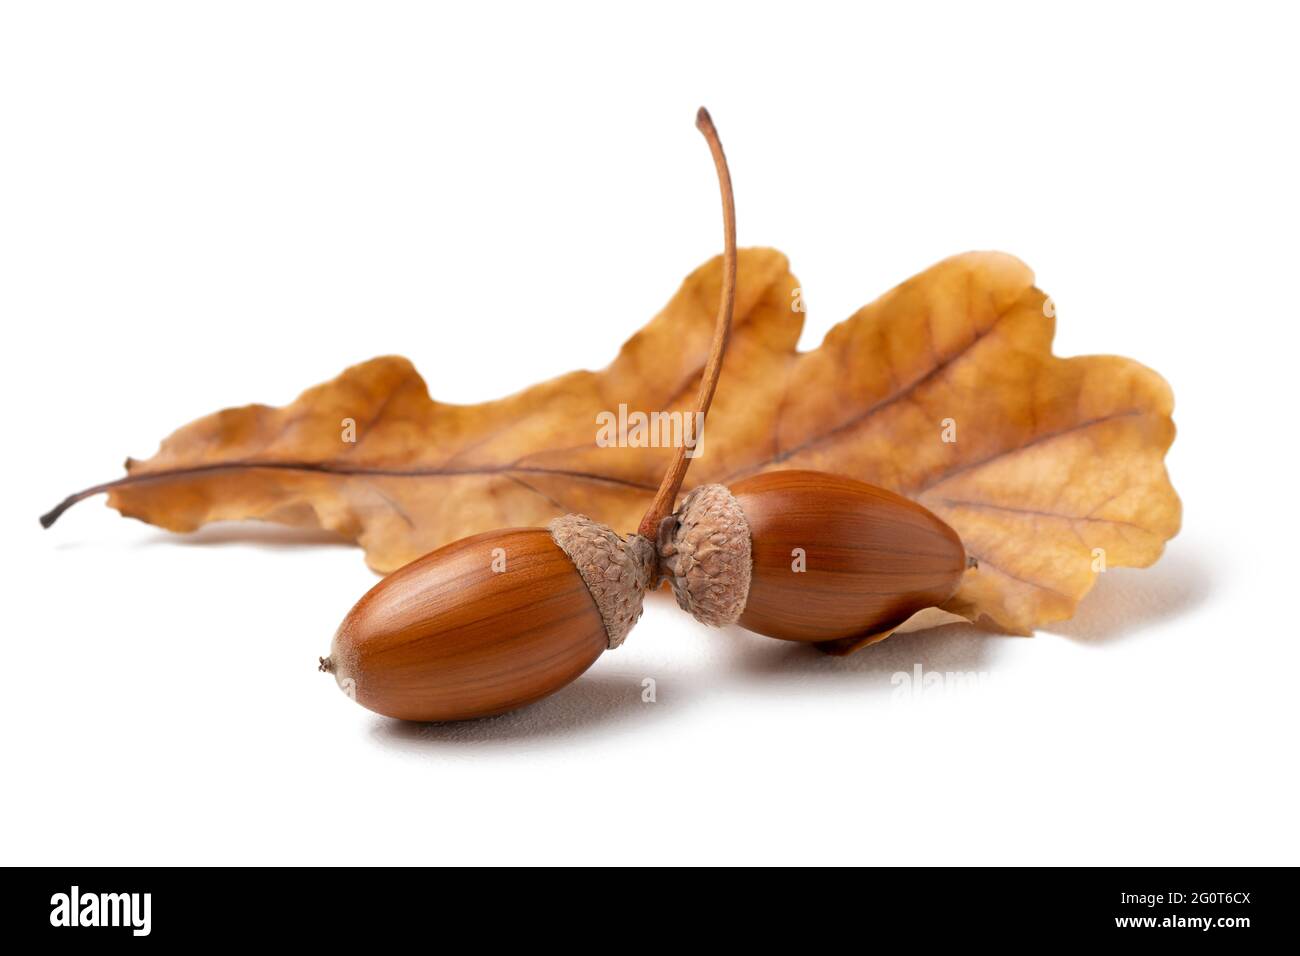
x,y
666,497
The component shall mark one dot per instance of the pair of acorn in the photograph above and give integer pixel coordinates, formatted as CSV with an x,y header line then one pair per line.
x,y
796,555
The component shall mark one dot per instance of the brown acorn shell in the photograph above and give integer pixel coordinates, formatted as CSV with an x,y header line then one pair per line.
x,y
448,638
872,558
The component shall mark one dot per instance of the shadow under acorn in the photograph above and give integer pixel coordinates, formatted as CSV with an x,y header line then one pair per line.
x,y
594,702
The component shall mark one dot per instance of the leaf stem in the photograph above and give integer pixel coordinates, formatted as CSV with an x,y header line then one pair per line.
x,y
320,467
666,497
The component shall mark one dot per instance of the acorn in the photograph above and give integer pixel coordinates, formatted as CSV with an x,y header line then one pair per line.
x,y
491,622
808,556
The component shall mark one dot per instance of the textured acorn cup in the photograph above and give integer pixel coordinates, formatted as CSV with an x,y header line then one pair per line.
x,y
831,558
491,622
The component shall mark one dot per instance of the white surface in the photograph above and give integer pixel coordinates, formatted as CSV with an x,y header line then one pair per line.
x,y
202,207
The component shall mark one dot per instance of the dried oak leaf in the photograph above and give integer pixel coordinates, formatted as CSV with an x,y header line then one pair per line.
x,y
1057,469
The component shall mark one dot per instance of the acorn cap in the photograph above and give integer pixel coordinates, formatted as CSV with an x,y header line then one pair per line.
x,y
617,571
706,554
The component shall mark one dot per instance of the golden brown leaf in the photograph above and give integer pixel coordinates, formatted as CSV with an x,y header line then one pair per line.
x,y
1053,458
1057,470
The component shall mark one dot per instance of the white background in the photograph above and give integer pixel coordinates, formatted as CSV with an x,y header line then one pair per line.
x,y
208,205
